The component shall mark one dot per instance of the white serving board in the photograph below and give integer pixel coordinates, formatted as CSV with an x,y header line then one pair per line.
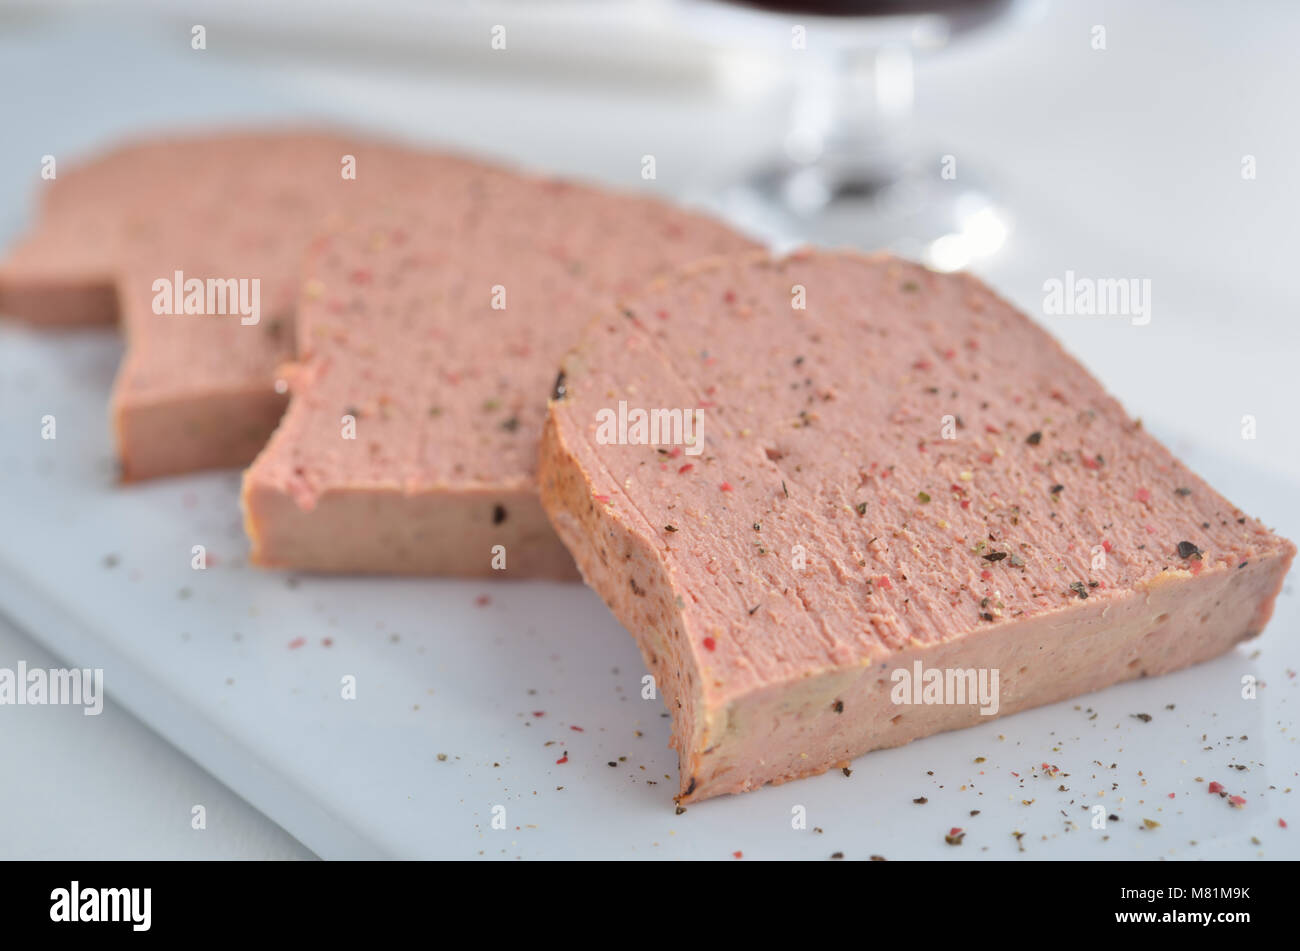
x,y
101,574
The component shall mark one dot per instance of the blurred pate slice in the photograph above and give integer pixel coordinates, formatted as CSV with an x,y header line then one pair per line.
x,y
427,346
230,211
910,510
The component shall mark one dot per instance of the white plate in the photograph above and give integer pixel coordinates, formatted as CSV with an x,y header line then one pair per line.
x,y
102,575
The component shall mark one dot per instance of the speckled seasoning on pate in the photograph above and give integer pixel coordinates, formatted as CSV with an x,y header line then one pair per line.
x,y
439,338
882,543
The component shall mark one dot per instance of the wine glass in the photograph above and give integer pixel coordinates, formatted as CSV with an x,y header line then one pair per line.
x,y
849,172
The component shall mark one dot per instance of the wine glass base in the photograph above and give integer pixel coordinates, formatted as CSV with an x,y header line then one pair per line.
x,y
948,224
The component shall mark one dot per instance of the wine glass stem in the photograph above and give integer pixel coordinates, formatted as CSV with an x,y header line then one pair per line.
x,y
852,113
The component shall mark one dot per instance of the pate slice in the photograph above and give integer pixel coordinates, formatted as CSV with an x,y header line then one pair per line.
x,y
427,344
231,211
903,509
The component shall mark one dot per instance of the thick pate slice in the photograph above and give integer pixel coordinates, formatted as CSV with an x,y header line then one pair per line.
x,y
197,390
427,348
903,475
